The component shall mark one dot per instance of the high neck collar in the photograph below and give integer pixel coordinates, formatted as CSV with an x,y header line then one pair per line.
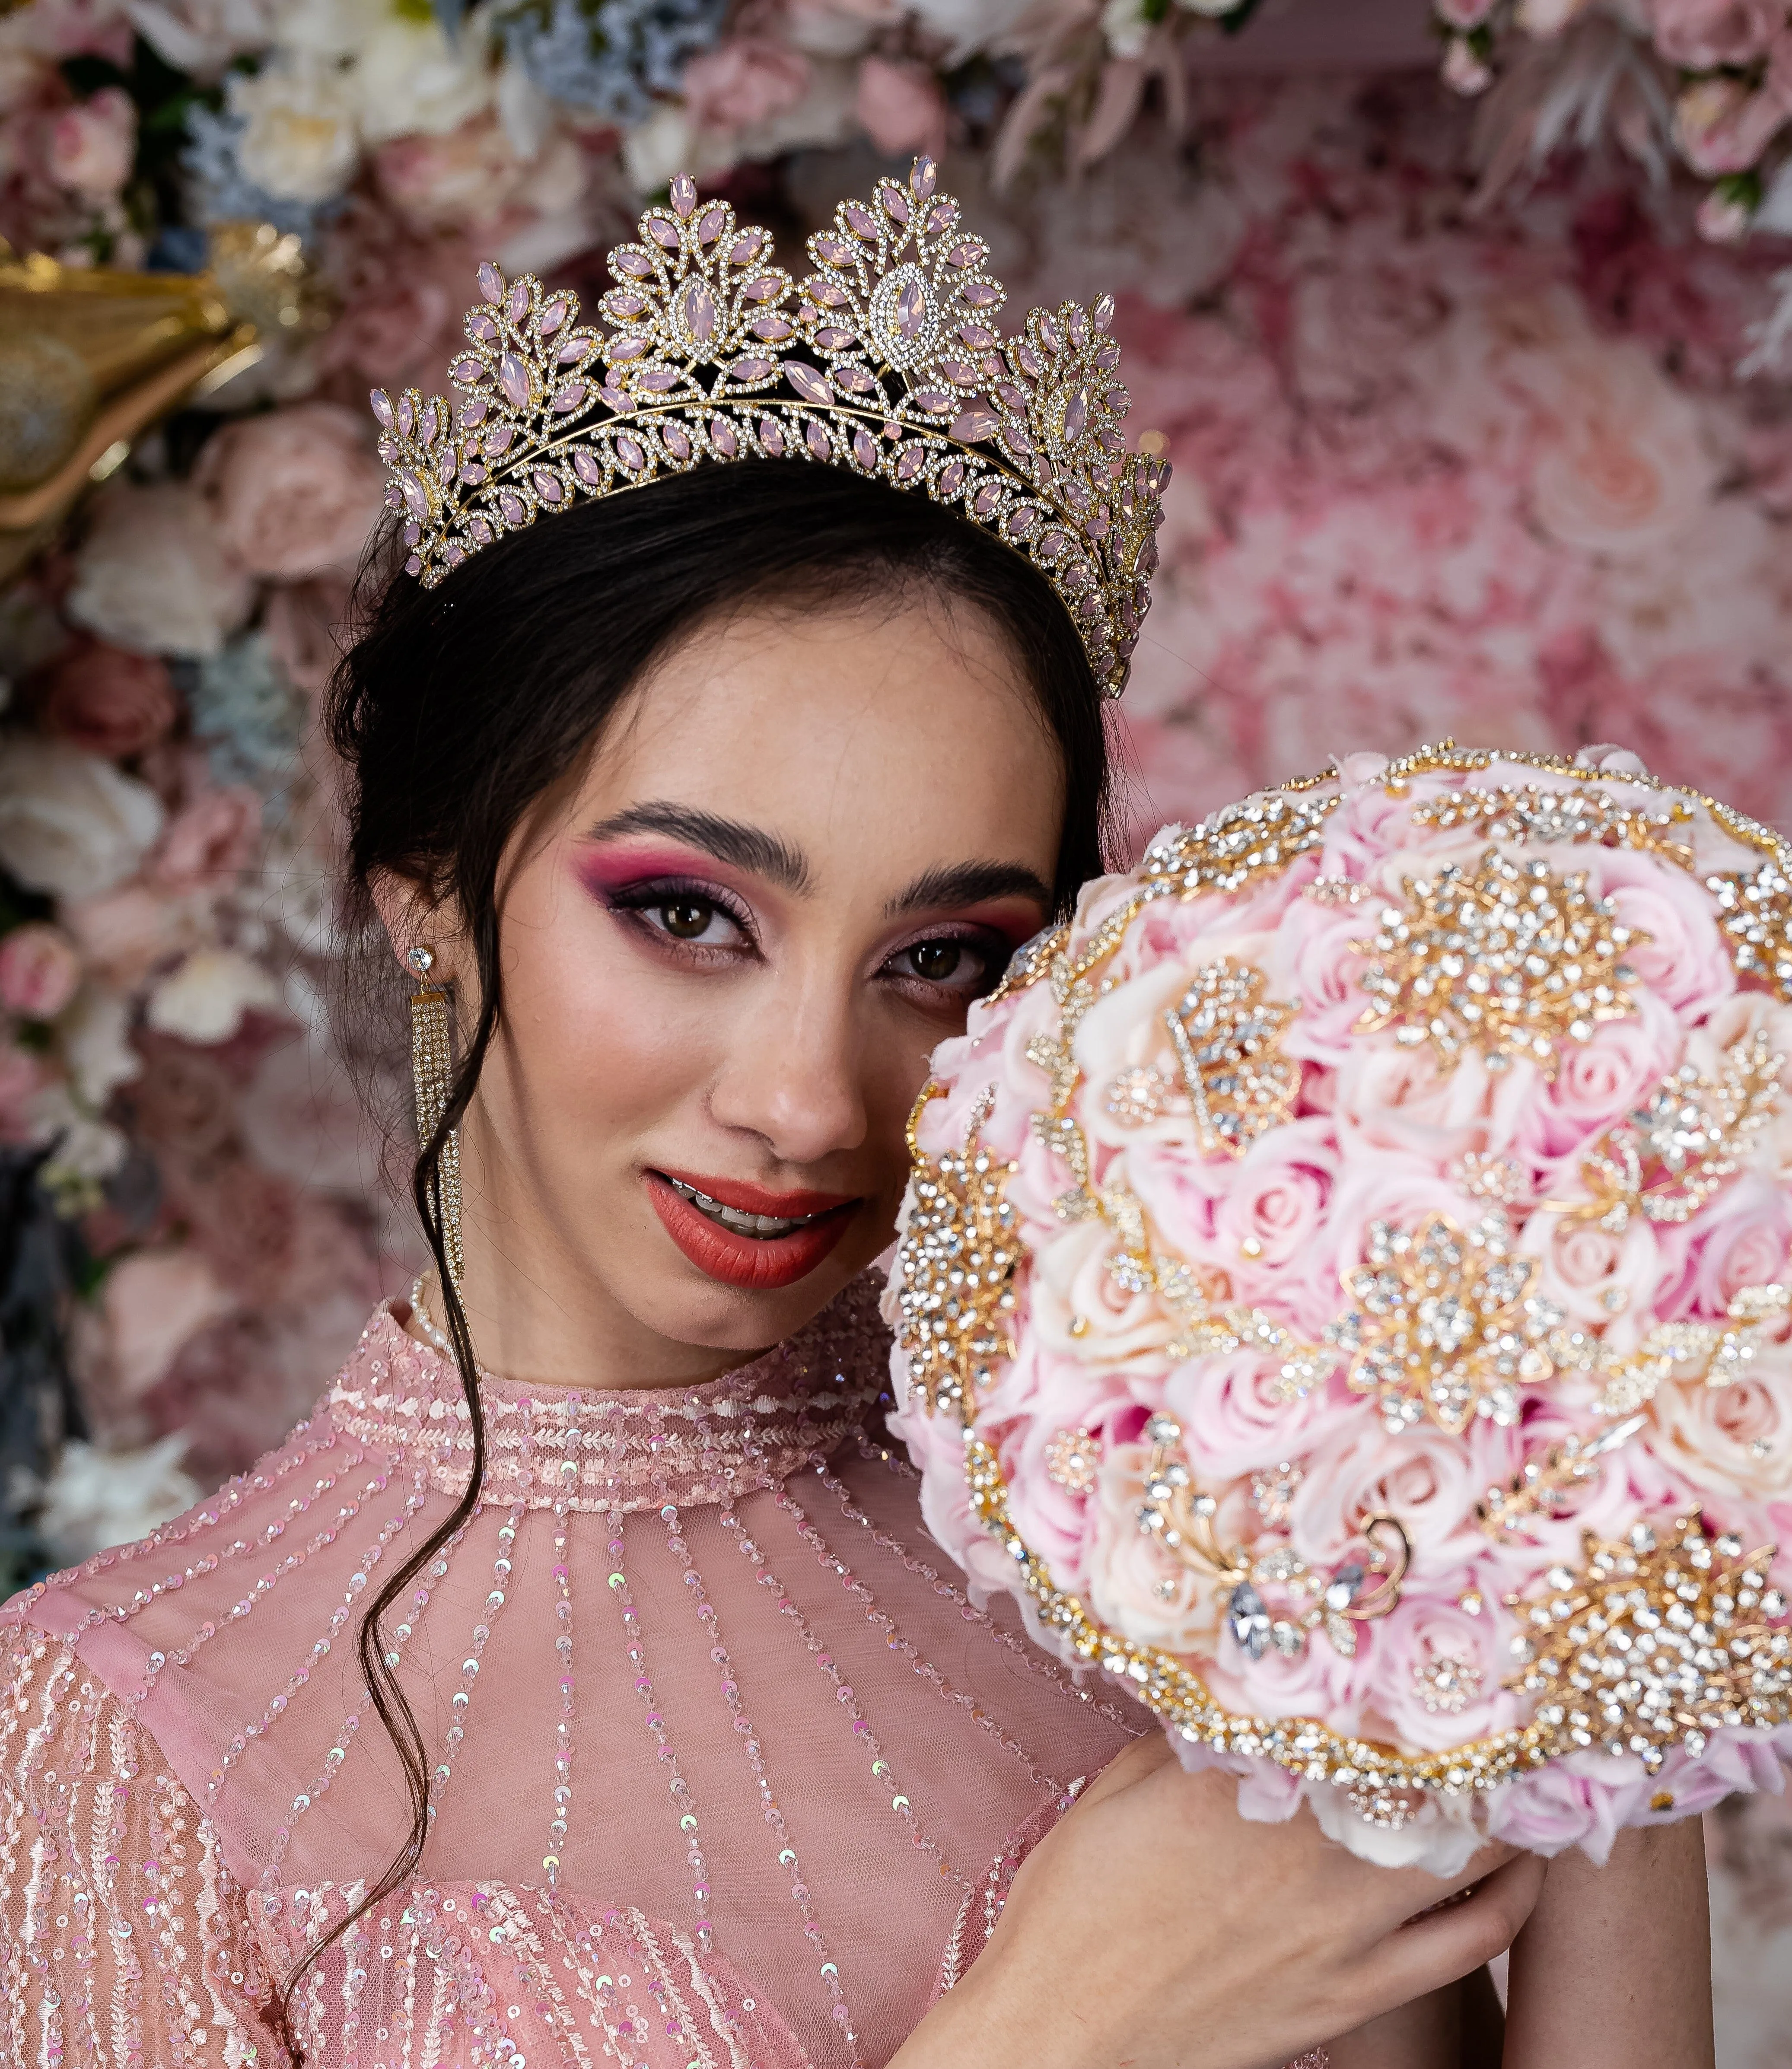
x,y
628,1448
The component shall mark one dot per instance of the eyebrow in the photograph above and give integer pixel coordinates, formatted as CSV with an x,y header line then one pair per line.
x,y
969,883
728,840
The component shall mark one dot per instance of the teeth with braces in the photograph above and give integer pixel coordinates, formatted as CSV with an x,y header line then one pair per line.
x,y
737,1220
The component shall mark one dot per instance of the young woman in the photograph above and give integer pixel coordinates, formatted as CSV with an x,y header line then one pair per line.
x,y
580,1685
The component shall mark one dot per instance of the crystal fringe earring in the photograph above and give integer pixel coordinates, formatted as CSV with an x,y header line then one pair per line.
x,y
432,1071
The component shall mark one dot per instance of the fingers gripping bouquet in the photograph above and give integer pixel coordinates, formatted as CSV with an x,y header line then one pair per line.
x,y
1343,1294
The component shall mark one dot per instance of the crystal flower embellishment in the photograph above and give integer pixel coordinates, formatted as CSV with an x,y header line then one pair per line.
x,y
1509,958
1444,1324
883,359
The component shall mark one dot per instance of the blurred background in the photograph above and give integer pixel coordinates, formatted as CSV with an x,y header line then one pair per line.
x,y
1468,329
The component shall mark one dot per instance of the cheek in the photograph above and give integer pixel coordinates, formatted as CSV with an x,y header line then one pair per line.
x,y
601,1039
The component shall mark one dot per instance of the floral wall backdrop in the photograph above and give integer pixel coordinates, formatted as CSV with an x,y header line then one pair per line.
x,y
1480,426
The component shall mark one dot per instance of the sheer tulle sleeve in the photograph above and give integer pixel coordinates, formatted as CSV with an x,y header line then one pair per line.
x,y
124,1942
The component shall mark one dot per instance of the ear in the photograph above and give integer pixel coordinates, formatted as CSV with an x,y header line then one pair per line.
x,y
413,919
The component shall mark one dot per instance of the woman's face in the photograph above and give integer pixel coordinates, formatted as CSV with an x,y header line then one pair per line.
x,y
805,844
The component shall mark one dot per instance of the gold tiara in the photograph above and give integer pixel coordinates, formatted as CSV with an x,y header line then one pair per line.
x,y
882,360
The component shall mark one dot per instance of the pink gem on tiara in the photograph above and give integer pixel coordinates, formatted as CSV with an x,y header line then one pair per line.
x,y
915,387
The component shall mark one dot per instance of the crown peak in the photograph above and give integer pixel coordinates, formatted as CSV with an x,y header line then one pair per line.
x,y
884,361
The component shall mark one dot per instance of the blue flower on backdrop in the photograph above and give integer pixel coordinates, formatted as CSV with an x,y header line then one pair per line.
x,y
249,717
611,56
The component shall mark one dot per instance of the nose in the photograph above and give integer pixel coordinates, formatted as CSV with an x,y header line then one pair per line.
x,y
791,1075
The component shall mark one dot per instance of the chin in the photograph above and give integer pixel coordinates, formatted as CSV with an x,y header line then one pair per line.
x,y
687,1306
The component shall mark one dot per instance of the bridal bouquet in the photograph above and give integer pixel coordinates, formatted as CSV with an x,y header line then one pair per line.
x,y
1343,1293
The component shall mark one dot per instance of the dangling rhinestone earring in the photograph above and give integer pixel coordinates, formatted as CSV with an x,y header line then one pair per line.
x,y
432,1070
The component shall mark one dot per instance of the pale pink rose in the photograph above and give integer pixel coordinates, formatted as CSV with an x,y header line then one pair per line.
x,y
106,699
1740,1238
743,81
1572,1802
1722,125
209,842
123,934
92,146
1626,467
1269,1226
1686,961
1390,1095
1699,35
1134,1583
1598,1081
1592,1275
1418,1645
1072,1284
1236,1416
294,492
1731,1441
151,1302
900,107
1429,1481
39,971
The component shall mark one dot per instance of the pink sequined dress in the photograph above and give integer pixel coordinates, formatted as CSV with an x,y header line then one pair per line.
x,y
725,1771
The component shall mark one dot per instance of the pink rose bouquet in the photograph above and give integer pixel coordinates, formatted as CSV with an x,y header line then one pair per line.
x,y
1343,1293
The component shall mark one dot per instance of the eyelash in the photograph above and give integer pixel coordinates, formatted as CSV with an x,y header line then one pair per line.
x,y
636,903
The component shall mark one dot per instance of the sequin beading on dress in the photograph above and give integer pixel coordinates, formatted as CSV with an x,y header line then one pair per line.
x,y
606,1451
717,1753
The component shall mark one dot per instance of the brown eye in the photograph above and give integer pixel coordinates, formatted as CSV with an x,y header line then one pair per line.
x,y
936,960
685,918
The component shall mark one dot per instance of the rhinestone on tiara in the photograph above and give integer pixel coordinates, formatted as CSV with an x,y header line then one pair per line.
x,y
883,359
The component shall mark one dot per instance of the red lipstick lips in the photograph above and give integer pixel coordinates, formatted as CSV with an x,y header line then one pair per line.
x,y
757,1263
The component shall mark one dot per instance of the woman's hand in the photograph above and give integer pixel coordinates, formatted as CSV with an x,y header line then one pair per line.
x,y
1155,1928
1613,1966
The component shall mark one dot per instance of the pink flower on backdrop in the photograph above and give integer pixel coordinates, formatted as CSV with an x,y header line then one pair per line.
x,y
1698,35
295,492
403,296
106,699
209,842
1723,125
80,28
474,181
743,81
123,934
39,970
150,1303
20,1079
93,144
1626,465
1463,13
901,107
